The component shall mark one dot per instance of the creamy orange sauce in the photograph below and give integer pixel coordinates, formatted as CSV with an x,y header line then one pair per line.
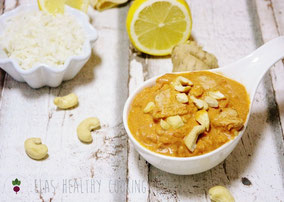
x,y
146,128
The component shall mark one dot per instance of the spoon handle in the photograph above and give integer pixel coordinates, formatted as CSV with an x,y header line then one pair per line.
x,y
251,69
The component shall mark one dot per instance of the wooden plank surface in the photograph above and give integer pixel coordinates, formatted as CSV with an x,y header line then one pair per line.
x,y
74,168
110,169
230,30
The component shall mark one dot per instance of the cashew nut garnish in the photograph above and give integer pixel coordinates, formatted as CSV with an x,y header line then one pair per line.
x,y
182,84
200,104
85,127
149,107
164,125
66,102
182,97
216,94
35,149
184,81
182,89
203,118
191,138
212,102
175,121
205,105
220,194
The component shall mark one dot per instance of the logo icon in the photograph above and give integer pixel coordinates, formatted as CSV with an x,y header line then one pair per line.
x,y
16,183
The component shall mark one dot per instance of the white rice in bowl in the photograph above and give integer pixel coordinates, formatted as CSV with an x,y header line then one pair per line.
x,y
36,37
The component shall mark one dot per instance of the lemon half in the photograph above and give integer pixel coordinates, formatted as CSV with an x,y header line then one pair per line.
x,y
156,26
57,6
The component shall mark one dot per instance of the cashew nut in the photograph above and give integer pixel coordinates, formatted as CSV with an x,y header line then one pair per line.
x,y
35,149
212,102
85,127
184,81
203,118
200,104
182,84
191,138
175,121
220,194
182,97
216,94
66,102
181,88
149,107
164,125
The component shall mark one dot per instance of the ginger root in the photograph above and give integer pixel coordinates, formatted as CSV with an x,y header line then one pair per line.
x,y
190,56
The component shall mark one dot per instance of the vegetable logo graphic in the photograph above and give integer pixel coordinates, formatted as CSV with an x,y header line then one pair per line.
x,y
16,183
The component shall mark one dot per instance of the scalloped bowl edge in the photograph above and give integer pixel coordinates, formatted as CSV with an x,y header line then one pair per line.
x,y
43,75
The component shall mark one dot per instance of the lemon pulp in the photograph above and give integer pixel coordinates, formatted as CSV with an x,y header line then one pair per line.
x,y
155,26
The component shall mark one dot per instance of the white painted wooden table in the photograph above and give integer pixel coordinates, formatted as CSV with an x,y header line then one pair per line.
x,y
109,169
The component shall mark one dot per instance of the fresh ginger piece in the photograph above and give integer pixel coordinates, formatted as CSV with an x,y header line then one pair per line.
x,y
189,56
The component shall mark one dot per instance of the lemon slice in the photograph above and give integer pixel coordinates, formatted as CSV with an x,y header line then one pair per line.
x,y
156,26
57,6
79,4
51,6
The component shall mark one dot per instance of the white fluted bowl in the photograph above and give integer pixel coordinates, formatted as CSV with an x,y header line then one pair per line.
x,y
44,75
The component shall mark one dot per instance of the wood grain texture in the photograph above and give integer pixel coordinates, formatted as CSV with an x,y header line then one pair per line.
x,y
2,73
110,169
230,30
102,90
137,171
271,16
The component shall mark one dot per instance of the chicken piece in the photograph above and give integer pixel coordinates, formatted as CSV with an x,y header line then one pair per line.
x,y
229,119
167,105
190,56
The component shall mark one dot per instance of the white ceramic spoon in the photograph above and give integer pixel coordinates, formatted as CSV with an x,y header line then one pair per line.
x,y
249,72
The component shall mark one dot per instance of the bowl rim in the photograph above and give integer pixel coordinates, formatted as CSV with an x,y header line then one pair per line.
x,y
151,82
82,18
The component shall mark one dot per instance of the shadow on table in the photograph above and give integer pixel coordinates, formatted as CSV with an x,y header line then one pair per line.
x,y
85,76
